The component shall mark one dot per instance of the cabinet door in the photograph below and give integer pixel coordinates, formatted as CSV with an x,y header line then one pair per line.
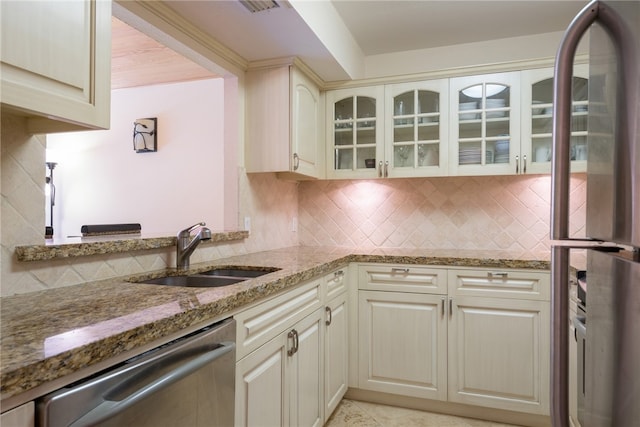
x,y
485,125
55,63
22,416
305,125
499,354
306,373
402,344
537,118
336,357
416,128
355,133
262,389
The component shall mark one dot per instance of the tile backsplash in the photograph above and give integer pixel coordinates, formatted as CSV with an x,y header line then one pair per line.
x,y
493,213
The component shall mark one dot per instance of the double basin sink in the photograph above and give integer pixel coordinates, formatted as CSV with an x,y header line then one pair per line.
x,y
212,278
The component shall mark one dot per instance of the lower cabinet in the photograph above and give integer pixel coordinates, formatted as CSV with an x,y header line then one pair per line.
x,y
280,383
22,416
484,341
402,344
499,353
336,352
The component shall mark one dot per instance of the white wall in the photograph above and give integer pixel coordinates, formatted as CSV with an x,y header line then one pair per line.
x,y
101,179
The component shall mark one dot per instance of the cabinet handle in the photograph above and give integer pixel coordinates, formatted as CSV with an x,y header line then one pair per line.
x,y
450,306
296,161
524,164
338,275
328,311
386,169
493,274
380,169
443,303
293,335
517,165
399,270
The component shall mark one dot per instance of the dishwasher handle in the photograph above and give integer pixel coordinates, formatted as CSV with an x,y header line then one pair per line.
x,y
108,408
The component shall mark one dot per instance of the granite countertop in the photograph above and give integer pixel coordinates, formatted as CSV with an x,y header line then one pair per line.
x,y
48,334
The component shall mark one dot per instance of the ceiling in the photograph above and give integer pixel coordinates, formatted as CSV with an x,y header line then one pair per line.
x,y
377,27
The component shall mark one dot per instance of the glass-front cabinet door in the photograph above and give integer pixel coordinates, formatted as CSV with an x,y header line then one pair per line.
x,y
537,118
485,119
355,137
416,128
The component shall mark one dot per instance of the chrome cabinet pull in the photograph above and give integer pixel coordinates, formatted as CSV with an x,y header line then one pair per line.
x,y
380,169
517,165
493,274
450,306
296,161
330,314
524,164
399,270
293,335
386,169
443,303
338,275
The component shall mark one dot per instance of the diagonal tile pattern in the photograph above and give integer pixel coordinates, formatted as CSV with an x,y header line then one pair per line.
x,y
493,213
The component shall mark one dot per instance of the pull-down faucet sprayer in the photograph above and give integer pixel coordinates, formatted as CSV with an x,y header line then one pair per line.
x,y
185,246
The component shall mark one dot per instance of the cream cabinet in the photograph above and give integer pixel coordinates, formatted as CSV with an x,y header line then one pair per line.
x,y
499,339
355,132
22,416
485,125
469,336
402,330
280,384
336,341
283,115
537,118
416,128
55,63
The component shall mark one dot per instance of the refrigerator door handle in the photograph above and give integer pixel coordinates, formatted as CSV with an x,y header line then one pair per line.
x,y
561,165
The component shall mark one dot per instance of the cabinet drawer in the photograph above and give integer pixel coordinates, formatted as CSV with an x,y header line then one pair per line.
x,y
402,278
336,282
257,325
505,283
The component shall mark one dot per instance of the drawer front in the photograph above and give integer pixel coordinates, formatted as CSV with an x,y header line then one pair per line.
x,y
336,282
502,283
402,278
257,325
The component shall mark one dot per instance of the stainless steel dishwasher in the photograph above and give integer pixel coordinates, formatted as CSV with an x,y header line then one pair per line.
x,y
188,382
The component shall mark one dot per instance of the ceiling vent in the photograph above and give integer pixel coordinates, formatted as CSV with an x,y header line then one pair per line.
x,y
259,5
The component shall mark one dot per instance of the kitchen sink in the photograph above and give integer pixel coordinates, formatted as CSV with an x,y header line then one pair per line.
x,y
195,281
212,278
240,272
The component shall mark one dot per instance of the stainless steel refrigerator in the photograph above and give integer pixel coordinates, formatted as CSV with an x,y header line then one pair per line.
x,y
611,376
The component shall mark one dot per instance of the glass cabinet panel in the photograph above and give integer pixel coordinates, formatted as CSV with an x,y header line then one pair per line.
x,y
416,129
355,125
484,112
542,119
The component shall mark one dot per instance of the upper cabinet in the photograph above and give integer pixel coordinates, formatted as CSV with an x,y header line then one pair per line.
x,y
55,63
537,118
355,133
283,122
485,125
416,128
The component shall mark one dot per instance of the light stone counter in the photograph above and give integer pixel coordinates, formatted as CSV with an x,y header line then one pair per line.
x,y
48,335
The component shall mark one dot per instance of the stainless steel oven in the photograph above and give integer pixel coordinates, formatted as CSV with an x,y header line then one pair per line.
x,y
187,382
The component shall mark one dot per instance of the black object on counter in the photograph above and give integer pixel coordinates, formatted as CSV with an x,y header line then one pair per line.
x,y
102,229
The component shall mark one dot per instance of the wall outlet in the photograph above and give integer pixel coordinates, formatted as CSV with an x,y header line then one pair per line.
x,y
294,224
247,223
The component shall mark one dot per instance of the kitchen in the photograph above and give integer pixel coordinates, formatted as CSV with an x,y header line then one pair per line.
x,y
522,229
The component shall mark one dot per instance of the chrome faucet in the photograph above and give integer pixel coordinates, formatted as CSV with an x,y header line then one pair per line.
x,y
185,246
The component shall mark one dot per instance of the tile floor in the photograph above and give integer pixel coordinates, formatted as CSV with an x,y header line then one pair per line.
x,y
351,413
